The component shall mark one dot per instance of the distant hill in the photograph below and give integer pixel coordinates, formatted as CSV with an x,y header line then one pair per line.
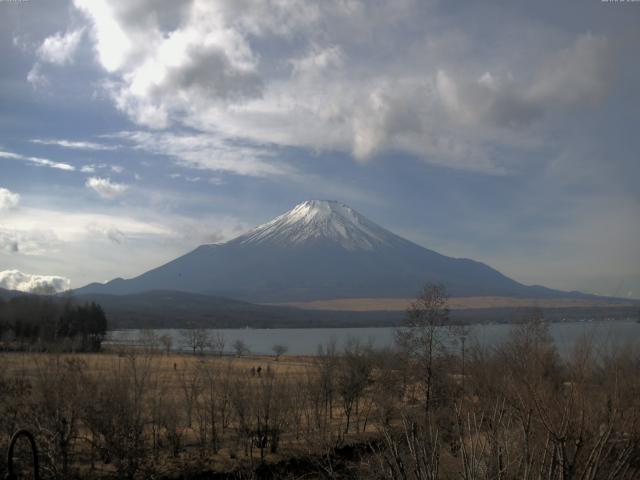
x,y
320,250
174,309
7,294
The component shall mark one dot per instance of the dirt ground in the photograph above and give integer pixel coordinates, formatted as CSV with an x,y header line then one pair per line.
x,y
168,365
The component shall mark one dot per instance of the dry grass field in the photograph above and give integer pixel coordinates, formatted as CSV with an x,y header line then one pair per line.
x,y
455,303
514,411
191,412
168,366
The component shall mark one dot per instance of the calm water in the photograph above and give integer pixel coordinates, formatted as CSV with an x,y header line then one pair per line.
x,y
305,341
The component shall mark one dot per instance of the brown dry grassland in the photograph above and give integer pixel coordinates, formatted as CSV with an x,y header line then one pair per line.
x,y
455,303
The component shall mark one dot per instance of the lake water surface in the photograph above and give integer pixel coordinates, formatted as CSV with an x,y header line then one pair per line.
x,y
305,341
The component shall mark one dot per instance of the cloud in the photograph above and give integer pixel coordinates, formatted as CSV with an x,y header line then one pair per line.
x,y
577,75
209,152
203,59
105,187
59,49
8,242
40,162
187,178
25,282
115,235
111,232
8,199
93,167
319,59
331,79
89,246
76,145
36,241
46,227
35,77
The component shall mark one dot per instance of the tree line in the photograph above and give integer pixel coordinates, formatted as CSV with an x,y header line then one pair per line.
x,y
46,322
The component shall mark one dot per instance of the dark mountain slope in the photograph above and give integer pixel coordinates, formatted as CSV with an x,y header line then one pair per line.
x,y
320,250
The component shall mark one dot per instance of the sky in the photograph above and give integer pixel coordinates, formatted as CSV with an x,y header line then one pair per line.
x,y
132,131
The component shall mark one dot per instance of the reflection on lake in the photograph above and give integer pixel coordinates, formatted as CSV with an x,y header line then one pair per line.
x,y
305,341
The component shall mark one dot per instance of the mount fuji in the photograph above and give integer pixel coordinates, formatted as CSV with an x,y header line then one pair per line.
x,y
320,250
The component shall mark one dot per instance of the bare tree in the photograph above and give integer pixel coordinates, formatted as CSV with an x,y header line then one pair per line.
x,y
353,378
240,347
327,363
172,425
211,406
422,337
166,341
411,452
279,350
196,339
191,386
148,339
114,412
388,389
57,386
218,343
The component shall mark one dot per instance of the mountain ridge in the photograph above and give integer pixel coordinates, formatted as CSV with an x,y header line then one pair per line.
x,y
319,250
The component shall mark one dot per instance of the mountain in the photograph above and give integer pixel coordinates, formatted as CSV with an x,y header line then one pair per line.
x,y
319,250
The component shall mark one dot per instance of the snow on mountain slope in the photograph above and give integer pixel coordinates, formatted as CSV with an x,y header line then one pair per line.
x,y
320,221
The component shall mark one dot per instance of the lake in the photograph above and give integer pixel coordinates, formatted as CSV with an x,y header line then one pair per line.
x,y
305,341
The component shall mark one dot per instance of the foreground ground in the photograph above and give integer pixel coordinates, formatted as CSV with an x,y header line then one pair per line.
x,y
515,411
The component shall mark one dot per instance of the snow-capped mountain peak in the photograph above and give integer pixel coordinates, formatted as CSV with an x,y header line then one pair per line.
x,y
319,250
325,221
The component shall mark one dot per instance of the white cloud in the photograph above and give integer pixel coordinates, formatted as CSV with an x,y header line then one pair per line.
x,y
111,232
88,246
25,282
93,167
76,145
208,152
203,59
105,187
57,227
41,162
8,242
59,49
335,81
187,178
35,76
8,199
35,241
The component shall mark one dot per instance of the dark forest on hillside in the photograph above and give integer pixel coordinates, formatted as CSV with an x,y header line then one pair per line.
x,y
42,322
